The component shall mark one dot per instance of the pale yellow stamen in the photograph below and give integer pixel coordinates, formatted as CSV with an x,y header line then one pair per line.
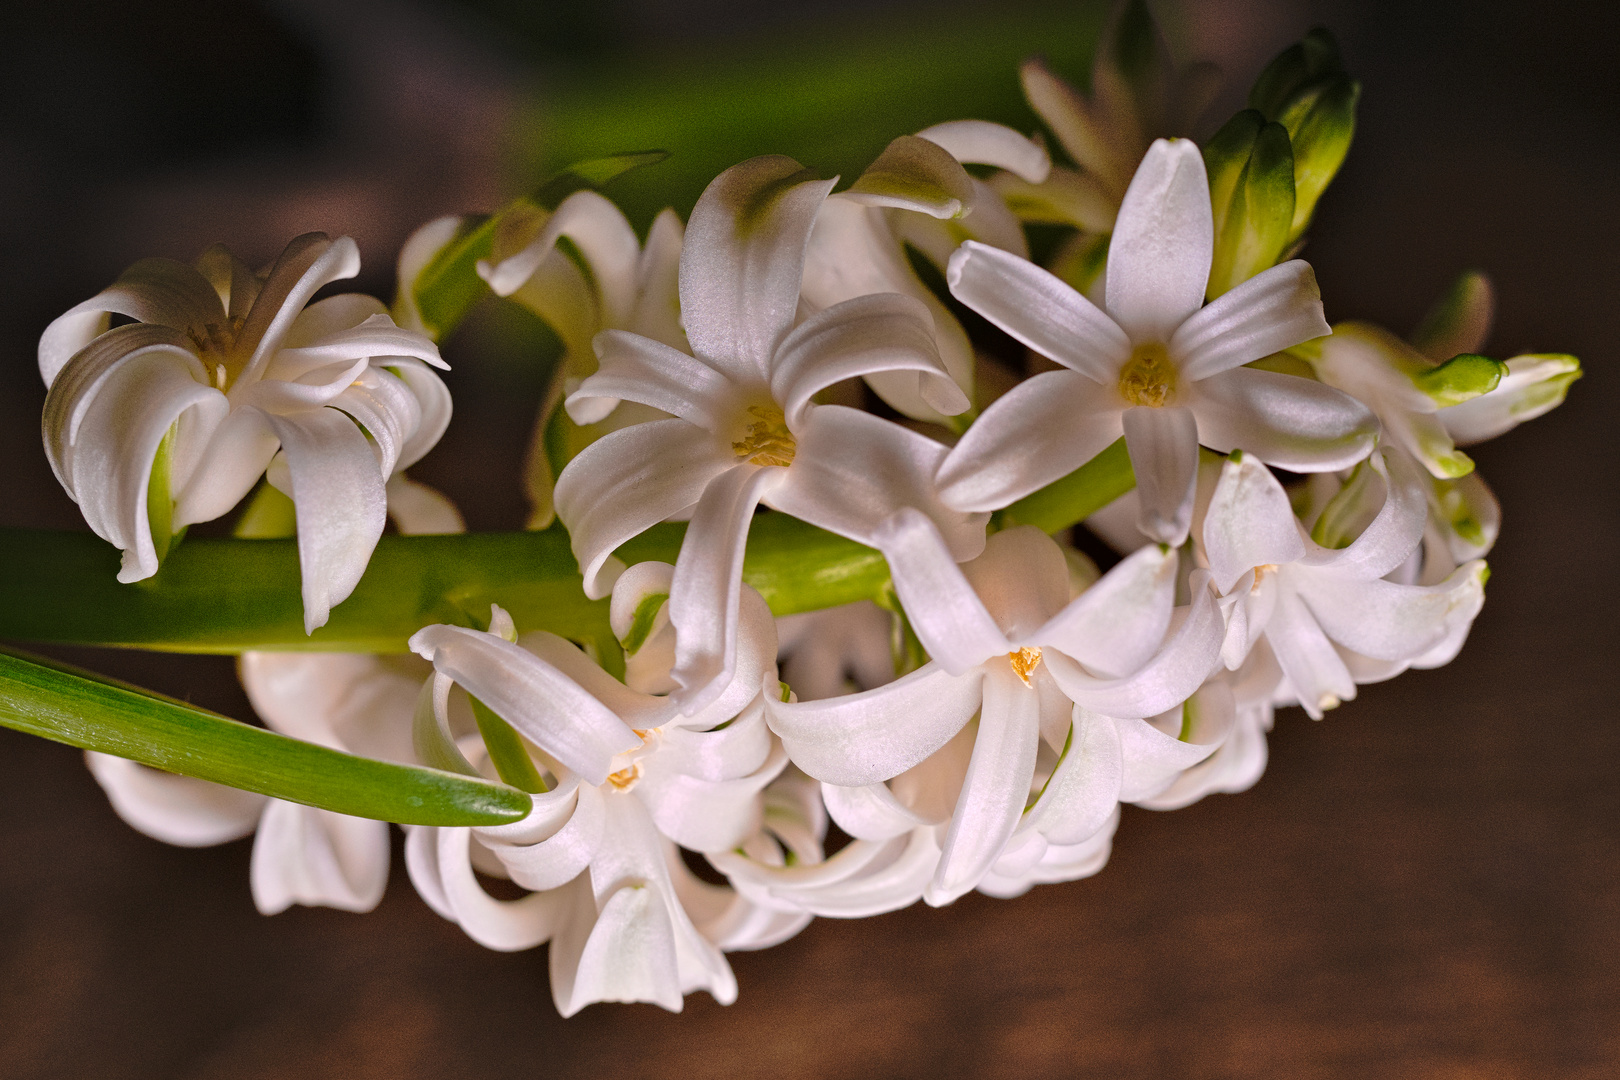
x,y
1148,377
1328,701
1260,573
766,440
626,778
1025,661
214,343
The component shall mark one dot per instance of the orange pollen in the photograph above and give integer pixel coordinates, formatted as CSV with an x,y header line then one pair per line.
x,y
625,778
1024,661
1148,377
766,440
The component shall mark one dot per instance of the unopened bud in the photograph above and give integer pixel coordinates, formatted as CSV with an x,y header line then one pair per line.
x,y
1252,199
1464,376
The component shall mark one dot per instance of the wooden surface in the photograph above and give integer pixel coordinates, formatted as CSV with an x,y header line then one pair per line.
x,y
1426,884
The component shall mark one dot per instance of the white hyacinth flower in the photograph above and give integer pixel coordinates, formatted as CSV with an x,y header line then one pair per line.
x,y
630,778
918,192
1326,613
743,428
172,418
1155,364
1009,645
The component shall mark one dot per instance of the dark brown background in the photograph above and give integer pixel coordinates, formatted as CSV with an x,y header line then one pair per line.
x,y
1426,884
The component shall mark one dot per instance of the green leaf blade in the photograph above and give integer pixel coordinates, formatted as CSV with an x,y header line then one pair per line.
x,y
72,707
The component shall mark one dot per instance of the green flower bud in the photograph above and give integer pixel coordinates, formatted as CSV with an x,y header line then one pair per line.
x,y
1464,376
1461,321
1321,123
1295,68
1253,225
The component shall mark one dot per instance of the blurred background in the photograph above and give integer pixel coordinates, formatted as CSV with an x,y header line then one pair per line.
x,y
1426,884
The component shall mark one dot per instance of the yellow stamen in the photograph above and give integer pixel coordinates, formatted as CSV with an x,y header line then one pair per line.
x,y
766,440
214,343
1328,701
1260,573
1025,661
1148,377
626,778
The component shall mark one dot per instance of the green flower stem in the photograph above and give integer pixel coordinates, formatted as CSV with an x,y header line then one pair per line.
x,y
229,596
69,706
1077,496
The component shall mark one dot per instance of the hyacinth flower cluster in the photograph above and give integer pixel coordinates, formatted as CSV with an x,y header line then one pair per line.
x,y
711,754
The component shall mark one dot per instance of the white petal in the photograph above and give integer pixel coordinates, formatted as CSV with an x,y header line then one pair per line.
x,y
503,925
1249,523
1179,667
420,510
338,492
1393,534
708,815
531,695
600,232
1285,420
229,461
706,590
1276,309
557,840
179,810
657,313
634,368
385,409
103,424
1022,579
1163,446
915,174
1039,309
854,252
870,812
743,259
946,613
1039,431
996,788
161,291
1385,621
1093,144
303,855
308,263
628,481
1164,238
432,399
1309,662
880,332
377,336
979,142
1154,758
349,701
1083,793
853,471
1114,626
868,737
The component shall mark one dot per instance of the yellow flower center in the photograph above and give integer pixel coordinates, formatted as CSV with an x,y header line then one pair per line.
x,y
626,778
766,440
1148,377
1024,661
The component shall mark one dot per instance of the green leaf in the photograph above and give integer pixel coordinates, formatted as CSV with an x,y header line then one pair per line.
x,y
68,706
1464,376
506,750
1077,496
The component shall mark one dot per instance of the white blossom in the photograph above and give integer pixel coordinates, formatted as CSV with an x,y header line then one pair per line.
x,y
223,374
1009,646
1326,613
743,428
1155,363
629,779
